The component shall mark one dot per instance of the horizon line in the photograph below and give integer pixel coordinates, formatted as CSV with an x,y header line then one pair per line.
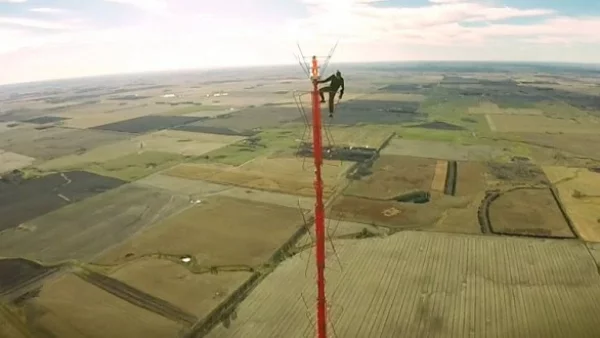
x,y
291,64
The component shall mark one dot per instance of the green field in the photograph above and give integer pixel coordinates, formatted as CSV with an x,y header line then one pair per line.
x,y
271,142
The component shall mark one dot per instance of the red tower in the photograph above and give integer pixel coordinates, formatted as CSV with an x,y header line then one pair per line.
x,y
319,206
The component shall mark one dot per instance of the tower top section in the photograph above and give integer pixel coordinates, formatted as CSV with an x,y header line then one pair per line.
x,y
314,69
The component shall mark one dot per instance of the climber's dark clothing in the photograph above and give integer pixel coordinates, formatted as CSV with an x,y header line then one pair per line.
x,y
337,82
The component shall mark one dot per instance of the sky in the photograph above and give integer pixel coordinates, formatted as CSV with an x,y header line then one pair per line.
x,y
48,39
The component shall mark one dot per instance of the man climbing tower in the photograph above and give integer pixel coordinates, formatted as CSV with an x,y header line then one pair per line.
x,y
337,82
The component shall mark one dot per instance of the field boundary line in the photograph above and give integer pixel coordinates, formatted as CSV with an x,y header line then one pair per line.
x,y
483,215
136,297
29,284
451,174
563,210
14,321
224,311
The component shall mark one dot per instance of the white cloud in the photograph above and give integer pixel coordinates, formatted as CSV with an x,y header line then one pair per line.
x,y
48,10
155,6
13,1
184,38
175,43
436,24
40,24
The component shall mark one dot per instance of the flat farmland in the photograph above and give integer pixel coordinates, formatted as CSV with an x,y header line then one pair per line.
x,y
11,323
438,183
485,108
114,108
17,271
448,111
183,143
583,145
11,161
490,108
400,97
145,124
563,110
231,232
46,120
164,142
54,142
470,186
419,284
70,307
19,114
270,143
86,121
257,88
528,212
204,94
210,113
579,192
17,105
6,126
461,214
123,163
422,79
339,229
516,173
284,175
195,291
192,110
361,111
543,124
245,99
403,87
441,150
470,178
363,136
579,86
395,215
106,112
198,189
85,229
181,186
24,201
248,119
393,176
135,166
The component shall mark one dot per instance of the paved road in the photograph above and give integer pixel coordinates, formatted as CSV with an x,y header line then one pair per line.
x,y
421,284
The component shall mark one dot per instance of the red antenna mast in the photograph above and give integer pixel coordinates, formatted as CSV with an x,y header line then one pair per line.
x,y
317,126
319,207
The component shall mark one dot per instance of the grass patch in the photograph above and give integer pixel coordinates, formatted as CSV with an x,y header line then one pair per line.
x,y
452,136
560,110
514,102
129,167
475,122
271,142
519,149
512,149
31,173
443,107
284,142
193,109
135,166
